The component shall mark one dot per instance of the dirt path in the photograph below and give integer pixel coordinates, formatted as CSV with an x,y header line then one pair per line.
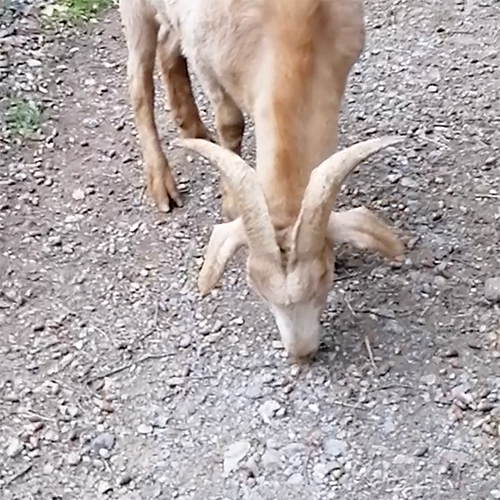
x,y
200,402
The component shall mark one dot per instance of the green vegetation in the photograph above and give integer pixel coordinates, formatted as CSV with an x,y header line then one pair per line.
x,y
72,11
22,117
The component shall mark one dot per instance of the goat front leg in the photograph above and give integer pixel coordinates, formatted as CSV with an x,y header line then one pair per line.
x,y
141,33
177,83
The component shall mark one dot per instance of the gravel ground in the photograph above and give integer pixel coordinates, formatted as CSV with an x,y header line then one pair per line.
x,y
117,381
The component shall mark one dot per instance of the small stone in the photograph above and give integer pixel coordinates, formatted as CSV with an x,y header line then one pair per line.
x,y
421,450
14,448
48,469
335,447
174,381
33,63
295,479
104,453
485,406
409,183
145,429
320,470
51,435
271,458
429,379
234,454
474,344
268,410
104,405
218,325
73,458
185,341
492,289
124,479
78,194
495,494
104,487
337,473
106,440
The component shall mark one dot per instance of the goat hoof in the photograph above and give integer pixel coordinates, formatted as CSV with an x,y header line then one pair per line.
x,y
163,191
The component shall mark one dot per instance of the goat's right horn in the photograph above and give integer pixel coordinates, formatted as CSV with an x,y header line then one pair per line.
x,y
250,200
321,192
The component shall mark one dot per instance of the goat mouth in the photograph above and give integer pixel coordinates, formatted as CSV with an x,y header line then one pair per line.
x,y
303,360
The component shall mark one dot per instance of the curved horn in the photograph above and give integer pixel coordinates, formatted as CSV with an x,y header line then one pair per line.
x,y
250,199
324,184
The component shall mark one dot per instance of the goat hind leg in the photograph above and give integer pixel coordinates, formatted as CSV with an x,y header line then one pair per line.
x,y
177,83
141,31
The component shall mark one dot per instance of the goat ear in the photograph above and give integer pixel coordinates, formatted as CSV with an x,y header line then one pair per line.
x,y
363,229
225,240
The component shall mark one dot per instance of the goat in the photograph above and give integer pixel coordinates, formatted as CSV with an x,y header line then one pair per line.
x,y
285,63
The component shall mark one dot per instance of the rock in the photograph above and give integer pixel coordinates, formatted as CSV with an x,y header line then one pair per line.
x,y
271,459
14,448
185,341
337,473
495,494
51,435
409,183
295,479
320,470
78,194
106,441
234,454
254,391
145,429
421,450
492,289
73,458
268,410
124,479
104,487
335,447
429,379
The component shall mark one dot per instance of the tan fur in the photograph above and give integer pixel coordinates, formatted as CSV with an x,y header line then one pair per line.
x,y
293,27
285,63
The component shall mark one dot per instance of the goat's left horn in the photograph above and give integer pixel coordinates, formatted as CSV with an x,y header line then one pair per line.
x,y
250,199
321,192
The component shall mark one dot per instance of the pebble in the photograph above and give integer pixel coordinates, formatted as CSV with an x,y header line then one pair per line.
x,y
421,450
295,479
268,410
106,441
185,341
104,487
320,470
51,436
234,454
124,479
492,289
73,458
145,429
14,448
335,447
78,194
271,458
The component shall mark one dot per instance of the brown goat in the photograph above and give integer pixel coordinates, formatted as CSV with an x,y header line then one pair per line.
x,y
286,64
